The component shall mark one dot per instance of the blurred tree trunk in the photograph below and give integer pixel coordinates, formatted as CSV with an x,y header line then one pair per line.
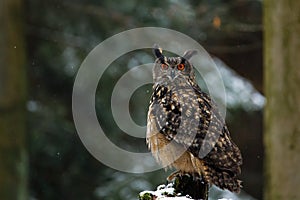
x,y
13,154
282,89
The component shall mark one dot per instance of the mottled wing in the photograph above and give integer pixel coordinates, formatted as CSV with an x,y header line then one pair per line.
x,y
225,154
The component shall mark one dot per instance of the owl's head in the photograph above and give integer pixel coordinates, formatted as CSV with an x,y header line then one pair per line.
x,y
172,70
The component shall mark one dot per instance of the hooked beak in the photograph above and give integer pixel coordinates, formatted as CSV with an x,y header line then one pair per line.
x,y
172,74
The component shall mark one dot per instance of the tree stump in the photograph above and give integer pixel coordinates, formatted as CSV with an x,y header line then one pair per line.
x,y
183,186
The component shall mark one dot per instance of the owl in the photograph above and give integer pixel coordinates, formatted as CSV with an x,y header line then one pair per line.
x,y
185,130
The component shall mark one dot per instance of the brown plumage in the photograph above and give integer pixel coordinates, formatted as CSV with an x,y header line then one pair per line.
x,y
184,127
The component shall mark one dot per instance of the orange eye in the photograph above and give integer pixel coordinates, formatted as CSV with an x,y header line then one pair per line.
x,y
180,67
164,66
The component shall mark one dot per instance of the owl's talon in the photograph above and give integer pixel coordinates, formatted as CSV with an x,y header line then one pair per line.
x,y
172,176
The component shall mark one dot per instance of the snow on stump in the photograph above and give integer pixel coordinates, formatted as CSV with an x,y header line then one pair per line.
x,y
182,188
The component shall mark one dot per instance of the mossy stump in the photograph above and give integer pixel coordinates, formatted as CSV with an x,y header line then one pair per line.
x,y
185,186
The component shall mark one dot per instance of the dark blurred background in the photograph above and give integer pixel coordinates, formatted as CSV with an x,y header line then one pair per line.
x,y
59,34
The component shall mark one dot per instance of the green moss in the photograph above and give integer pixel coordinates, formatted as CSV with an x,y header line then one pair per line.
x,y
146,196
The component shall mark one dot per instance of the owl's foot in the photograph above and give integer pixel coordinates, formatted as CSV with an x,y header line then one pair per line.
x,y
195,176
172,176
175,174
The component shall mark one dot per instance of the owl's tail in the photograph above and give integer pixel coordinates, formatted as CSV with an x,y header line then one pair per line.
x,y
223,179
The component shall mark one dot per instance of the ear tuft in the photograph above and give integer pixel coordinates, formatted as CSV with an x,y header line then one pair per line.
x,y
189,54
157,51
